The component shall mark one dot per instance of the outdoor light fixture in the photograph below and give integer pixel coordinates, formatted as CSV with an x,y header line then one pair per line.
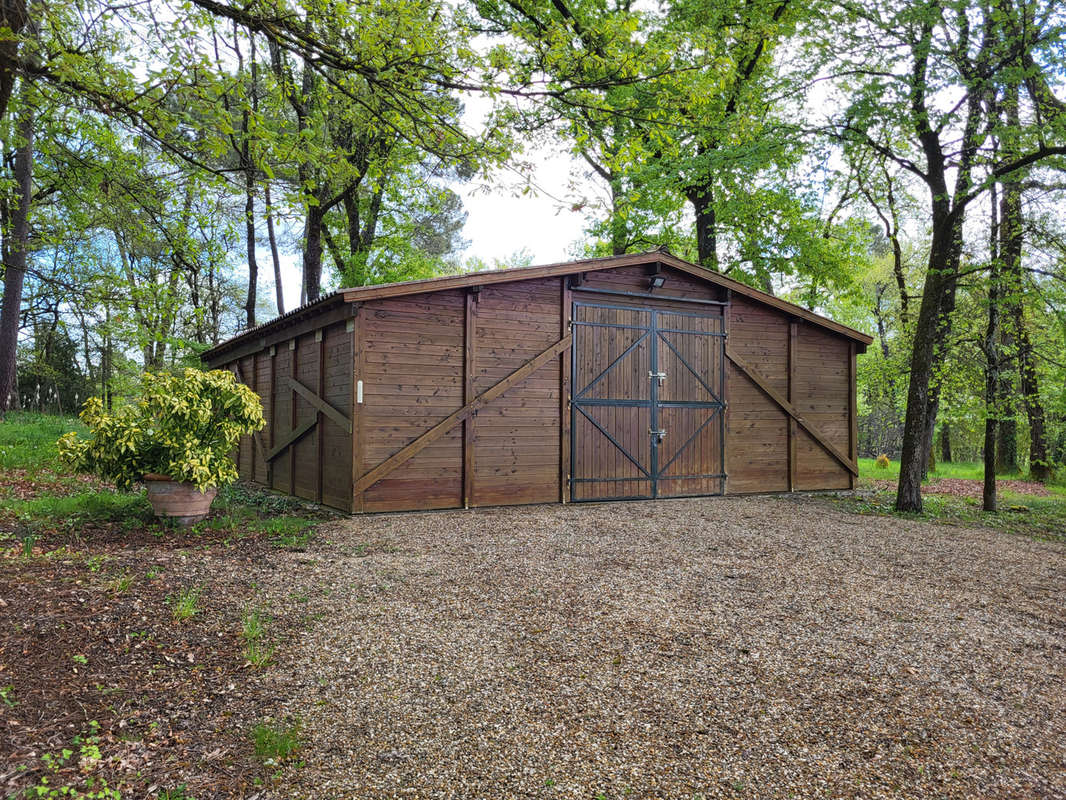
x,y
657,281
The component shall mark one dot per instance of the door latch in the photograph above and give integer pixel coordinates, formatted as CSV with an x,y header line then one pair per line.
x,y
660,376
658,434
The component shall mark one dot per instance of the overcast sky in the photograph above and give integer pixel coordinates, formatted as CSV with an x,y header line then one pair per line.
x,y
501,220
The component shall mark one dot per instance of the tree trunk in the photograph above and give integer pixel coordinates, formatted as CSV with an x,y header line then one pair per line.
x,y
702,199
1007,448
1012,231
249,233
249,179
993,362
939,281
312,254
13,16
15,251
619,236
945,443
1039,463
278,289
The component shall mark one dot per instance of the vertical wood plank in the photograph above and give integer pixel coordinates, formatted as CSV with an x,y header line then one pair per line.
x,y
255,388
469,424
320,426
564,393
726,370
270,420
295,344
853,411
356,366
793,433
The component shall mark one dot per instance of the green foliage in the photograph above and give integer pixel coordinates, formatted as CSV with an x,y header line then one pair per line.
x,y
184,426
186,603
60,781
276,743
253,628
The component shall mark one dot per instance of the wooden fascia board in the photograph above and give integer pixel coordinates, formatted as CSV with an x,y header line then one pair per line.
x,y
597,265
279,330
307,318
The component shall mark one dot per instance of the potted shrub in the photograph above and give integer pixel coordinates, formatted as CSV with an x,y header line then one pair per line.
x,y
176,438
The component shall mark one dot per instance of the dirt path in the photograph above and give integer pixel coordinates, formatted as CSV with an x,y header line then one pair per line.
x,y
753,647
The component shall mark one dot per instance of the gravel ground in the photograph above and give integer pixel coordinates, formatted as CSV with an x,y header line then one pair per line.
x,y
730,647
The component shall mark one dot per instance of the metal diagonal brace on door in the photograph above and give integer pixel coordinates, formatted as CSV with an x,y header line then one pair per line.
x,y
413,448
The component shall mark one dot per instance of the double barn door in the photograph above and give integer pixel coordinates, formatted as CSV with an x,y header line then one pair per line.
x,y
647,414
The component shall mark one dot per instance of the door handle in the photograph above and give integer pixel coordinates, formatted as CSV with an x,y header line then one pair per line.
x,y
660,376
658,434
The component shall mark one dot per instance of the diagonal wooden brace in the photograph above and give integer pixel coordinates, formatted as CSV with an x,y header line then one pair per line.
x,y
312,398
255,434
764,385
295,435
449,422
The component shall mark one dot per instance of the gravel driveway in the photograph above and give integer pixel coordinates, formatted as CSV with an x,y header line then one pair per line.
x,y
751,648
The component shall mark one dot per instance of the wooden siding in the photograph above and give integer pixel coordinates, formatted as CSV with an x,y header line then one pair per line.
x,y
316,467
412,373
424,438
516,438
822,395
757,428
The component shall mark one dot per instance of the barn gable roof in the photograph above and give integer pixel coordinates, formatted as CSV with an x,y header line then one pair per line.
x,y
343,297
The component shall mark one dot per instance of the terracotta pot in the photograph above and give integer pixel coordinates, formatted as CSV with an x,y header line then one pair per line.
x,y
177,500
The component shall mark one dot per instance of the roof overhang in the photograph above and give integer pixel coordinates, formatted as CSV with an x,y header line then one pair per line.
x,y
345,299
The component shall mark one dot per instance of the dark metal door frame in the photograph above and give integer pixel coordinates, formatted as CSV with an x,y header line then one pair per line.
x,y
652,333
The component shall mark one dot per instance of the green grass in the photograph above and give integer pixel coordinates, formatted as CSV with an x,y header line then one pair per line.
x,y
64,504
253,628
72,510
28,439
965,470
1042,517
186,603
276,743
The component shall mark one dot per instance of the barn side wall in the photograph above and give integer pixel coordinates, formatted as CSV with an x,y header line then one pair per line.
x,y
768,451
425,356
422,357
317,467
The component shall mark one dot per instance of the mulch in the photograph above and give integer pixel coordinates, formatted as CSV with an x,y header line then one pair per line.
x,y
966,487
171,702
739,647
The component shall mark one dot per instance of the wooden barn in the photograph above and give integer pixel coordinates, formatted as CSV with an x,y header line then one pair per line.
x,y
637,376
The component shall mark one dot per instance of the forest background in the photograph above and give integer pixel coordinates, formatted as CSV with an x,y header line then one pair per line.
x,y
898,166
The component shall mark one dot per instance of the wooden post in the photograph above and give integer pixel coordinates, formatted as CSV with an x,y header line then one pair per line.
x,y
294,345
356,364
469,431
320,334
566,312
853,411
793,432
725,390
271,422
